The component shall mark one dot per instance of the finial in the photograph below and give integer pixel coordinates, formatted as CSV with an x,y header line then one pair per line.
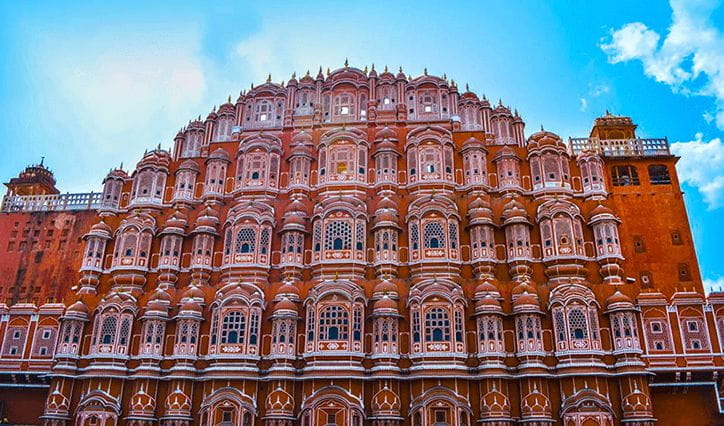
x,y
252,86
121,166
386,68
541,128
346,63
365,69
425,71
373,66
467,87
307,75
268,78
500,102
444,76
42,159
400,68
229,99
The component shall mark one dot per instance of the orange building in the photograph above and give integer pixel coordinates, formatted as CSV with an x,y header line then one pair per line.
x,y
362,249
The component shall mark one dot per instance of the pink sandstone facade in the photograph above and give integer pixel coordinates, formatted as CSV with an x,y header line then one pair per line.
x,y
361,248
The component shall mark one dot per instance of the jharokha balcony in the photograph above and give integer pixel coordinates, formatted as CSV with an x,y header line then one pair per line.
x,y
634,147
51,202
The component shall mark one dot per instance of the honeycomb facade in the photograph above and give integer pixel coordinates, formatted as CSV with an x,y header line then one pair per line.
x,y
372,249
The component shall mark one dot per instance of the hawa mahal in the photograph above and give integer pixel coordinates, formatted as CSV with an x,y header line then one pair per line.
x,y
361,248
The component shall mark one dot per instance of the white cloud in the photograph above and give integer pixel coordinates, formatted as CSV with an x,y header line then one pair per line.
x,y
702,166
690,59
713,284
584,104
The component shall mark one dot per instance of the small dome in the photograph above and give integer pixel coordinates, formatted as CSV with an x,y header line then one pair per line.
x,y
487,304
386,133
385,305
285,306
486,287
193,292
385,287
288,290
191,306
472,142
524,287
302,137
77,308
219,154
161,296
207,218
101,227
156,307
619,301
526,302
601,209
176,220
514,209
189,165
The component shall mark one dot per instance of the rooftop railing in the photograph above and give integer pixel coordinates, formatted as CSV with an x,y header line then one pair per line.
x,y
51,202
649,147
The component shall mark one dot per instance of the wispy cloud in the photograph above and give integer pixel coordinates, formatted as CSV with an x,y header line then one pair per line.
x,y
702,166
713,284
595,91
690,59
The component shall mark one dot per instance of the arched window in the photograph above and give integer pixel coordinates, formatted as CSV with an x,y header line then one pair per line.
x,y
659,174
490,334
528,331
111,332
624,176
344,107
237,327
333,323
576,327
437,325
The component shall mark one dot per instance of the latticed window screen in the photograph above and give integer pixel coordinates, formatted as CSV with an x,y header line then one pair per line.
x,y
254,328
577,324
453,231
333,323
317,237
264,241
108,330
338,235
458,326
560,324
437,325
434,235
414,236
360,236
245,240
357,323
124,332
416,326
232,328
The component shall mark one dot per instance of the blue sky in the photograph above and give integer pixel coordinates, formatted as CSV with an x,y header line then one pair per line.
x,y
90,85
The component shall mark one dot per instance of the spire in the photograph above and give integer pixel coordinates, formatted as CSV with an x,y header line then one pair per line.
x,y
346,63
386,68
294,75
228,100
365,69
373,66
268,78
425,71
467,87
42,159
